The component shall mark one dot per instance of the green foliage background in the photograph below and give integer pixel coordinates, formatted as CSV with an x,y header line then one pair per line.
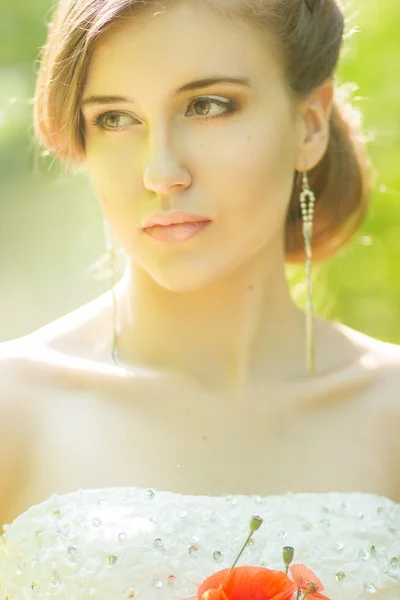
x,y
50,224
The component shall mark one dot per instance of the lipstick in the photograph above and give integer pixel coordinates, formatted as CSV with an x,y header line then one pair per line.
x,y
175,227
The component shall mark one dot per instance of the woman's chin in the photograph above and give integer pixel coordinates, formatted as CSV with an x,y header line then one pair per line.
x,y
184,281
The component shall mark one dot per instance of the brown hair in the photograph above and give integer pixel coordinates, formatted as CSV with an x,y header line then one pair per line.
x,y
307,43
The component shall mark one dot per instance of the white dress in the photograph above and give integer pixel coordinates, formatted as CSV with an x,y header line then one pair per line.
x,y
130,542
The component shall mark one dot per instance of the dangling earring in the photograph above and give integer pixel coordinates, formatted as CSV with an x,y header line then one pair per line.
x,y
307,202
111,254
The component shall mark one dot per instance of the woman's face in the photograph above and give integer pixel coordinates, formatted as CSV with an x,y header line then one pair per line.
x,y
225,151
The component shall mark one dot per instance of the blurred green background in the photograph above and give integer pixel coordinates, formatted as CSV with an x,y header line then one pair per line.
x,y
50,225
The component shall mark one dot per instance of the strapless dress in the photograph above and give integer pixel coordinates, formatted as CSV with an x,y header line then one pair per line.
x,y
131,542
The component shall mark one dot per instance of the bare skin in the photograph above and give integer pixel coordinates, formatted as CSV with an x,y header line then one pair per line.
x,y
78,421
216,397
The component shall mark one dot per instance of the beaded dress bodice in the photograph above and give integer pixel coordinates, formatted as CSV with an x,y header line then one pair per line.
x,y
130,542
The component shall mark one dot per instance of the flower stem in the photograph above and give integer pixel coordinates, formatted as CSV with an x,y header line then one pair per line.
x,y
242,550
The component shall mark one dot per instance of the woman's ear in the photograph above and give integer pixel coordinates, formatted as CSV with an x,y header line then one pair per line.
x,y
314,114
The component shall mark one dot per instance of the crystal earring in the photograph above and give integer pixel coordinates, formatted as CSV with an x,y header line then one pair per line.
x,y
307,203
111,255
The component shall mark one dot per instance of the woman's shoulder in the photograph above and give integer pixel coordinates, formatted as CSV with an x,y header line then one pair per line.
x,y
11,361
385,355
17,389
381,358
17,427
71,334
15,356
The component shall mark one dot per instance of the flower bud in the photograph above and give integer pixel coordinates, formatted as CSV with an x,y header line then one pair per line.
x,y
255,523
288,554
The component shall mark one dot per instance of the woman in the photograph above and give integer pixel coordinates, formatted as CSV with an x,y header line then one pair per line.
x,y
217,149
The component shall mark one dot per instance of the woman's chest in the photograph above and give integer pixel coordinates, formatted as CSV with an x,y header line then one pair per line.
x,y
198,445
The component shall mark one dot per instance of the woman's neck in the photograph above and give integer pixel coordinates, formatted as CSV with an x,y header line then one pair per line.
x,y
236,331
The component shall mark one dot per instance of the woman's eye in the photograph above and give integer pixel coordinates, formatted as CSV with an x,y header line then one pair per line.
x,y
207,107
203,107
112,121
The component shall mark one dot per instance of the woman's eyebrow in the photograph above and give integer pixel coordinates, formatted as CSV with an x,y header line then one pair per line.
x,y
193,85
201,83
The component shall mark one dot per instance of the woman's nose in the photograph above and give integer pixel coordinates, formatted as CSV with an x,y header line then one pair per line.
x,y
164,172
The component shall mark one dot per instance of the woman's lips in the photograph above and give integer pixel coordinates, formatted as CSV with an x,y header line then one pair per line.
x,y
177,232
175,226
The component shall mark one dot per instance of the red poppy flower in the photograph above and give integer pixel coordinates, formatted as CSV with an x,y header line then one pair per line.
x,y
257,583
306,580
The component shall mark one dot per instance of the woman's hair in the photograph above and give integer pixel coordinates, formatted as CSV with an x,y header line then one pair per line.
x,y
306,42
